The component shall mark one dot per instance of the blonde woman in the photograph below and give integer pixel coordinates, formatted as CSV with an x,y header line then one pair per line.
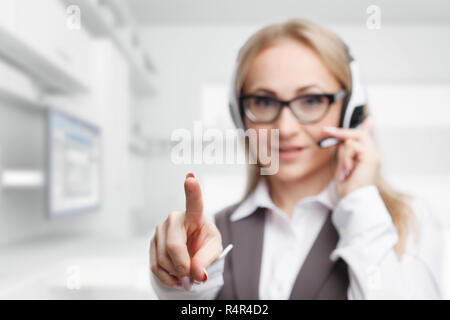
x,y
325,226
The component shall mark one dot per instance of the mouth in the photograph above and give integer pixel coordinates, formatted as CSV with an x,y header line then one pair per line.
x,y
290,153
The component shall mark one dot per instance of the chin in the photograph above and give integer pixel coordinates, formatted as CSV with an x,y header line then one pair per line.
x,y
301,169
293,171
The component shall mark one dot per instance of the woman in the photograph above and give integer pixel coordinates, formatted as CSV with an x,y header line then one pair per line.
x,y
325,226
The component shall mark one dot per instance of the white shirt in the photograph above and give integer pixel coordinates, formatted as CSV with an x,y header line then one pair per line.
x,y
366,243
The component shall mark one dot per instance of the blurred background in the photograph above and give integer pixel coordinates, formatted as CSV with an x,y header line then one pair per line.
x,y
91,91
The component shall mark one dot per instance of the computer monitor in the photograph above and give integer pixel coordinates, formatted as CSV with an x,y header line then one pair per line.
x,y
74,167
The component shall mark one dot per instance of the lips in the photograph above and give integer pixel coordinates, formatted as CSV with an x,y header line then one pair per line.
x,y
290,148
290,152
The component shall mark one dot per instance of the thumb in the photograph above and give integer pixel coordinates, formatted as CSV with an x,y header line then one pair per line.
x,y
194,202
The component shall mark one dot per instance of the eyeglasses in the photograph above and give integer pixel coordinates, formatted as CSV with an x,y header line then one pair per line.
x,y
307,108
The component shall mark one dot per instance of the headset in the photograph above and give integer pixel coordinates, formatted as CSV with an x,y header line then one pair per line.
x,y
353,108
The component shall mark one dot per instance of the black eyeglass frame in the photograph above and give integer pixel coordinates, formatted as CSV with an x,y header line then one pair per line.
x,y
332,98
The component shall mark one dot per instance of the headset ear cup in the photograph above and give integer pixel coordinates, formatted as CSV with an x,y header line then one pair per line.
x,y
346,101
358,116
344,109
353,107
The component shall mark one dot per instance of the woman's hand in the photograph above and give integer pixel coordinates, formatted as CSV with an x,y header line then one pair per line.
x,y
358,159
186,243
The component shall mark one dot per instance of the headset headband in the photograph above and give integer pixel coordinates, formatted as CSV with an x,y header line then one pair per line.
x,y
352,109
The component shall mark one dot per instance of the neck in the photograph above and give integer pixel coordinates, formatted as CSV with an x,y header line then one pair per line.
x,y
286,194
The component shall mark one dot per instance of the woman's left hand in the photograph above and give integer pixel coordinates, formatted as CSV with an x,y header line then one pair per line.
x,y
358,159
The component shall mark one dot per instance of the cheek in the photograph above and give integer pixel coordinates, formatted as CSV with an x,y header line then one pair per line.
x,y
260,129
313,160
330,120
261,151
318,156
333,116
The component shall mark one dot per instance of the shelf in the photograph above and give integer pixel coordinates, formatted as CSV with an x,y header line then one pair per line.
x,y
42,65
18,179
17,88
9,96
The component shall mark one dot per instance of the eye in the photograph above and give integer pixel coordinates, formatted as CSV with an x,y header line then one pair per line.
x,y
264,102
312,101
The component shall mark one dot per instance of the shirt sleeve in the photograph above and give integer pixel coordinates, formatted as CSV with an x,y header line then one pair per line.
x,y
367,237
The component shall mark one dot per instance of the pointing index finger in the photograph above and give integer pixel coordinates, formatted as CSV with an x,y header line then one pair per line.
x,y
194,202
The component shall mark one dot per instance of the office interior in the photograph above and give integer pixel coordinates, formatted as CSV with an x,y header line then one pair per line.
x,y
115,78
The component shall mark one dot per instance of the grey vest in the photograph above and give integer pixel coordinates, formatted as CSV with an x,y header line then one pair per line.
x,y
318,278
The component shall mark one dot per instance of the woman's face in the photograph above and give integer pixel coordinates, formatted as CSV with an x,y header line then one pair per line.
x,y
285,71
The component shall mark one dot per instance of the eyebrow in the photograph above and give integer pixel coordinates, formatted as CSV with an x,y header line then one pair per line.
x,y
298,91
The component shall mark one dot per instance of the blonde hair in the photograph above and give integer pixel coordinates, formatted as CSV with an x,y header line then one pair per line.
x,y
332,51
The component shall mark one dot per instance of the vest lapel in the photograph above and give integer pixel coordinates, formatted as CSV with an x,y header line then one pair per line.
x,y
317,265
247,237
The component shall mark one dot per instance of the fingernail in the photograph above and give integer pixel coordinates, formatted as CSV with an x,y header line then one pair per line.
x,y
190,175
205,275
330,129
186,281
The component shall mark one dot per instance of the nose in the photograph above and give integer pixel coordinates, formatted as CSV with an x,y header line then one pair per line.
x,y
288,124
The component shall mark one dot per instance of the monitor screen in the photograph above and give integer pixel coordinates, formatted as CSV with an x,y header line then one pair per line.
x,y
73,173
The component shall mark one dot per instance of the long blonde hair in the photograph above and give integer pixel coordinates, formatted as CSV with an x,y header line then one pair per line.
x,y
331,49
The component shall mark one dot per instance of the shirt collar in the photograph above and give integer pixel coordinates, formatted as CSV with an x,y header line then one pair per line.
x,y
260,197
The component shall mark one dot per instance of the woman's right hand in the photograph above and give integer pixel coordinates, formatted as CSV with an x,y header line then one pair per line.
x,y
186,243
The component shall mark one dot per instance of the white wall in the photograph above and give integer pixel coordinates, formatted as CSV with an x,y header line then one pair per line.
x,y
22,131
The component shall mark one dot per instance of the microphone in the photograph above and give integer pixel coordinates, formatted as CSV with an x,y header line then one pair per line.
x,y
332,141
328,142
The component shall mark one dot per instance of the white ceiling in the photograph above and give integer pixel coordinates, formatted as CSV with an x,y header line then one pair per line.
x,y
260,11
